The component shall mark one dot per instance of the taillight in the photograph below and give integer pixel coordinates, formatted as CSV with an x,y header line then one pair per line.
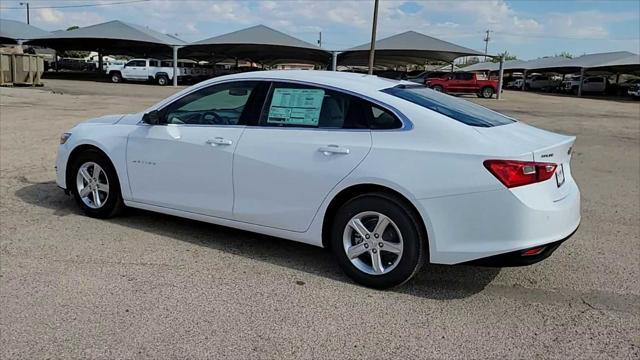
x,y
514,173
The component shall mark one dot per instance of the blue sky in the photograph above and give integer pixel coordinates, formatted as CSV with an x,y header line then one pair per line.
x,y
528,29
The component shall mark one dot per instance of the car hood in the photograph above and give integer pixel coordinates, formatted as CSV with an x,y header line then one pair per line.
x,y
107,119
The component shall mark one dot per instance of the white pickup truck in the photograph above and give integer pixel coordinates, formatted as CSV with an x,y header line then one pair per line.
x,y
591,84
158,71
541,82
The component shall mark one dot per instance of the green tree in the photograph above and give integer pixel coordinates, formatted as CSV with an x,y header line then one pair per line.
x,y
73,27
506,56
564,54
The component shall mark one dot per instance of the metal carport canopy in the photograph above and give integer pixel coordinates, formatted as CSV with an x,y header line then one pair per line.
x,y
584,62
113,37
406,48
626,65
509,65
12,32
260,44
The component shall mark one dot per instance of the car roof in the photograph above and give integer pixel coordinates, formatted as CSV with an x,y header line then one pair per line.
x,y
344,80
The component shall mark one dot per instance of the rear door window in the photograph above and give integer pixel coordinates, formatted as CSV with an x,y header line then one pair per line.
x,y
305,106
457,109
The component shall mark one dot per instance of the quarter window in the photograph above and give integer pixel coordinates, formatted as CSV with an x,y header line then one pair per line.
x,y
221,104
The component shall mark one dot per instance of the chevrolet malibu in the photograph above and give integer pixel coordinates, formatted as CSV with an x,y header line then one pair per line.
x,y
387,174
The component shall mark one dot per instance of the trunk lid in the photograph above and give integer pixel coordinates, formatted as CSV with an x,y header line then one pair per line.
x,y
543,146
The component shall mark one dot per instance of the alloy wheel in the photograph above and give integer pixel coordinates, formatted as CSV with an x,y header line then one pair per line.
x,y
92,185
373,243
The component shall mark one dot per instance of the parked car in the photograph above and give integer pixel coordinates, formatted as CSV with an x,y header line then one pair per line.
x,y
158,71
634,91
622,88
590,84
387,174
541,82
464,83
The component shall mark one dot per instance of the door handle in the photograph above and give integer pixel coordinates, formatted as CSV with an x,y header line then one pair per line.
x,y
219,141
333,149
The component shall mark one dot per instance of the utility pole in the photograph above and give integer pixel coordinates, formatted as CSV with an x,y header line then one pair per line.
x,y
27,5
373,36
320,39
486,45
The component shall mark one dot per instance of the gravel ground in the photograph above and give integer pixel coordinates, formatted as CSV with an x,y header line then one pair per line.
x,y
153,286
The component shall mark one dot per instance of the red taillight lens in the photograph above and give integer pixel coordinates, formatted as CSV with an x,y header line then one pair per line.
x,y
514,173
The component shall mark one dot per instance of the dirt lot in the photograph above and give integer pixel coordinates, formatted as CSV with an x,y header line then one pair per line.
x,y
154,286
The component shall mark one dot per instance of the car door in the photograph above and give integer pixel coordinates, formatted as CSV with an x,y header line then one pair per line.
x,y
453,83
466,83
185,162
133,70
308,139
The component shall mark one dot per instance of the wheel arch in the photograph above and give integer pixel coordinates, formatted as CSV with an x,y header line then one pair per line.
x,y
352,191
79,150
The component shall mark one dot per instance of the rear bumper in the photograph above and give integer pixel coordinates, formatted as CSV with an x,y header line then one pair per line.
x,y
481,225
519,257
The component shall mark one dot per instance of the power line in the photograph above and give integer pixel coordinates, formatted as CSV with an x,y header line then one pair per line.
x,y
74,6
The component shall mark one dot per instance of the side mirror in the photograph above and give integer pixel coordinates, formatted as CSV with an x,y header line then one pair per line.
x,y
151,118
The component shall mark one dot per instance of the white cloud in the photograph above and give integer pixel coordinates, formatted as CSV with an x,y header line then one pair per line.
x,y
50,16
57,18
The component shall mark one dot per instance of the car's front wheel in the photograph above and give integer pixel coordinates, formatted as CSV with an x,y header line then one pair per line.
x,y
437,88
116,77
378,241
95,185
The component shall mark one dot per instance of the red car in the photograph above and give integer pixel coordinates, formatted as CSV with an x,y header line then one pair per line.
x,y
464,83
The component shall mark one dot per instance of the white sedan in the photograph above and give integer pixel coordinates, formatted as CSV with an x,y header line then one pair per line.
x,y
387,174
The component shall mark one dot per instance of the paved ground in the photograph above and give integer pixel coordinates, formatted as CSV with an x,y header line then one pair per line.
x,y
153,286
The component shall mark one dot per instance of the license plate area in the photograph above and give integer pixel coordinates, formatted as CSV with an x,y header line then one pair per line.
x,y
560,175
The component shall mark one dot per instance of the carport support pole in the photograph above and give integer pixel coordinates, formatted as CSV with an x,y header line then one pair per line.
x,y
175,65
524,80
100,62
500,76
581,82
374,26
334,61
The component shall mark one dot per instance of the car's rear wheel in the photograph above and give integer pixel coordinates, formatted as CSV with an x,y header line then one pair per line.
x,y
378,240
437,88
487,92
95,185
162,80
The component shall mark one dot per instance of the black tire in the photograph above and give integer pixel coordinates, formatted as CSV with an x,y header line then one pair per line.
x,y
437,88
114,204
414,249
116,77
487,92
162,80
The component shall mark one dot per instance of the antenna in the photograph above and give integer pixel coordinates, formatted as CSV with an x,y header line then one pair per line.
x,y
486,43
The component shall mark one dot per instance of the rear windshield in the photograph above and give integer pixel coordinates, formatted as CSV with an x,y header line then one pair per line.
x,y
463,111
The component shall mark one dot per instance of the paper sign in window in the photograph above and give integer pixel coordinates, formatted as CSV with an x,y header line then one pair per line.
x,y
295,106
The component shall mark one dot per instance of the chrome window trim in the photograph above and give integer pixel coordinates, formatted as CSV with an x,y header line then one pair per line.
x,y
404,120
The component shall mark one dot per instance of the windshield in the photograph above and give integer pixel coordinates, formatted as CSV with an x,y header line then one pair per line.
x,y
463,111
